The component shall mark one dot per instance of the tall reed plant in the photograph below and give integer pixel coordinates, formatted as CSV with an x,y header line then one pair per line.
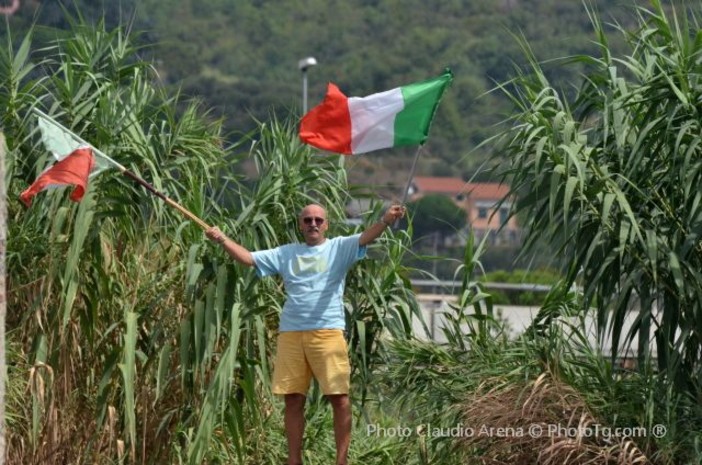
x,y
137,340
609,175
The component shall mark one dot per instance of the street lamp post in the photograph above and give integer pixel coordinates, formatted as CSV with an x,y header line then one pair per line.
x,y
304,64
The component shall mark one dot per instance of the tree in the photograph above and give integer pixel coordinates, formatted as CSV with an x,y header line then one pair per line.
x,y
436,213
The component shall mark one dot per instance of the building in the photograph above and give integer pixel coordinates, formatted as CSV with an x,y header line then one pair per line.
x,y
487,205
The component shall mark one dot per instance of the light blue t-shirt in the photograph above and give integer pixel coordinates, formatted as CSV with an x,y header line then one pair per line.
x,y
314,280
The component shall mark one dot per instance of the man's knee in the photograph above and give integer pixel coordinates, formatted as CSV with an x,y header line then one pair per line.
x,y
294,402
339,400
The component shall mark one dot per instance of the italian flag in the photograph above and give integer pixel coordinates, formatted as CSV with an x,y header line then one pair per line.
x,y
353,125
73,169
75,162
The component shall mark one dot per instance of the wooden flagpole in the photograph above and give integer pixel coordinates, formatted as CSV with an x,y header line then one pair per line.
x,y
188,214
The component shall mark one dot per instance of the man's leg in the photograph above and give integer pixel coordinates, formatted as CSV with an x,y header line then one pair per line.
x,y
341,406
294,426
328,357
291,379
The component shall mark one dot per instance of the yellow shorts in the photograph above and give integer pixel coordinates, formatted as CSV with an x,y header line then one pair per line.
x,y
321,353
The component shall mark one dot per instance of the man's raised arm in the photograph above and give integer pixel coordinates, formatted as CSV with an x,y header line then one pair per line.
x,y
392,214
236,251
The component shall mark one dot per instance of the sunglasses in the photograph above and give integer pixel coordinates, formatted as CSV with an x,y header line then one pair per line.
x,y
317,220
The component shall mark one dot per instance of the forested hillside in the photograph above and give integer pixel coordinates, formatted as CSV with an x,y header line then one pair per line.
x,y
240,57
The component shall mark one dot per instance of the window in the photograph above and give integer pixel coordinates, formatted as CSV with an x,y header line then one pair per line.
x,y
482,212
504,215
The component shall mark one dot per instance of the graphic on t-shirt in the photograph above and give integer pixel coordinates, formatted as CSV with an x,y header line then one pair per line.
x,y
309,265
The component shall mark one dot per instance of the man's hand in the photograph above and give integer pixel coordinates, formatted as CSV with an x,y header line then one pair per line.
x,y
236,251
394,213
215,235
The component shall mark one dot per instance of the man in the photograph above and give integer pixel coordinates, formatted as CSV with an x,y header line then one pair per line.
x,y
311,333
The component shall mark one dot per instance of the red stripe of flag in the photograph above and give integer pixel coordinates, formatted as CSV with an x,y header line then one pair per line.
x,y
328,125
74,170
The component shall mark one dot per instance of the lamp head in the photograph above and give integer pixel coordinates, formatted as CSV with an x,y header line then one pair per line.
x,y
306,63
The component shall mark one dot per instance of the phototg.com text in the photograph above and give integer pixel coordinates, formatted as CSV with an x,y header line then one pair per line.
x,y
535,430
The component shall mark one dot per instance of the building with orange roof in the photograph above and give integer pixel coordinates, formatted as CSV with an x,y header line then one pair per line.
x,y
487,205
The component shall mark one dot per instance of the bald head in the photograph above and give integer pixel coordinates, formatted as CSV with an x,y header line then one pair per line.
x,y
313,223
313,209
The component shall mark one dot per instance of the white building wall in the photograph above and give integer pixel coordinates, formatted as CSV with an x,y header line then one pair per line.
x,y
517,319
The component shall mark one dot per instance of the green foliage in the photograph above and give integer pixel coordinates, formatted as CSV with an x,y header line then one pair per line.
x,y
436,214
94,285
610,177
543,276
136,340
241,56
132,340
519,276
553,373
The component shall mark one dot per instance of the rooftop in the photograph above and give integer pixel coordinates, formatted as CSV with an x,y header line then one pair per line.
x,y
456,186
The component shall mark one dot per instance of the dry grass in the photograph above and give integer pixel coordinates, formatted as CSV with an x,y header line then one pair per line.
x,y
520,416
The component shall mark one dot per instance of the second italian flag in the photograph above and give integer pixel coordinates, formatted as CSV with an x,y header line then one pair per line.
x,y
353,125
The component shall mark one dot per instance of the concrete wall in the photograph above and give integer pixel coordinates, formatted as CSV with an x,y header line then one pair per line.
x,y
517,319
